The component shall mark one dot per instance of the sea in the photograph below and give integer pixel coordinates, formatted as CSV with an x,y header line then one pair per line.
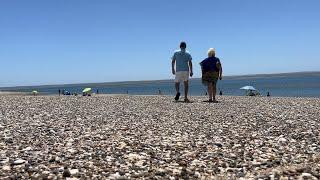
x,y
302,84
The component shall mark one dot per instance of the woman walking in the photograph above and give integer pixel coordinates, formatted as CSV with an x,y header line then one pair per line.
x,y
211,70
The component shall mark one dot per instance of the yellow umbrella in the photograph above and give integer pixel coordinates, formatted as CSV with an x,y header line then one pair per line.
x,y
86,90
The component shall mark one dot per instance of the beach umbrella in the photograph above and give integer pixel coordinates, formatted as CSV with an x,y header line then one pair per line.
x,y
248,88
86,90
34,92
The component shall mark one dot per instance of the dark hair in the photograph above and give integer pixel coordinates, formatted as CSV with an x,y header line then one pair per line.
x,y
183,45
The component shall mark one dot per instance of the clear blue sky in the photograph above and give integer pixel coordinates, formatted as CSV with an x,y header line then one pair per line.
x,y
72,41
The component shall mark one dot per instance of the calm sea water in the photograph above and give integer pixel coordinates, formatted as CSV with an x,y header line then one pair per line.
x,y
293,85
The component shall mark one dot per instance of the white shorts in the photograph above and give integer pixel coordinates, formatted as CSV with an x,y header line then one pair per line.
x,y
182,76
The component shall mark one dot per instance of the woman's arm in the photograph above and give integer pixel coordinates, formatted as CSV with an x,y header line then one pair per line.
x,y
220,69
220,73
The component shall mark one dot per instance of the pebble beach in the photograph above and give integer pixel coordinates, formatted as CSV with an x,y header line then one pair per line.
x,y
154,137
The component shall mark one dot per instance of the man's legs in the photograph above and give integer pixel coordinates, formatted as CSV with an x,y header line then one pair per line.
x,y
186,90
177,85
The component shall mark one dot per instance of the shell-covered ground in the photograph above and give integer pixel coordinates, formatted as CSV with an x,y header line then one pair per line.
x,y
143,137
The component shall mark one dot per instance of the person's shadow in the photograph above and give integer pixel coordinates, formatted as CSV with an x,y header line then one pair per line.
x,y
182,101
213,102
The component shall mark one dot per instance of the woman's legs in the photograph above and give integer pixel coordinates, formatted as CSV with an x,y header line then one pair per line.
x,y
213,91
210,89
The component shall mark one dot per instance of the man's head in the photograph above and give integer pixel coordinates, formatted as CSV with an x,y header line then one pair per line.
x,y
183,45
211,52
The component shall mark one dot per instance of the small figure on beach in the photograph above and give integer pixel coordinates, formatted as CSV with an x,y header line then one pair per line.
x,y
268,94
211,71
97,91
59,92
220,93
251,93
67,93
159,92
182,68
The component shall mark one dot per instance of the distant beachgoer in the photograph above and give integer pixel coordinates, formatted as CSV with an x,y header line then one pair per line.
x,y
220,93
268,94
211,70
182,68
257,93
159,92
251,93
67,93
97,91
59,92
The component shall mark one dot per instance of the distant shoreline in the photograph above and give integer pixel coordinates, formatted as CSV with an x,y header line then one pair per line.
x,y
232,77
10,93
26,94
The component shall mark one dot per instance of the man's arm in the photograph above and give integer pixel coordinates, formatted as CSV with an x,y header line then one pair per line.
x,y
190,67
172,66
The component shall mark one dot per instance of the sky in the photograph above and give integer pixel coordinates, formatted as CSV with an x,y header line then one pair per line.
x,y
83,41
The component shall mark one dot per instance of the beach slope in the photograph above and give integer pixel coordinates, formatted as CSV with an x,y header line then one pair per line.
x,y
115,136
